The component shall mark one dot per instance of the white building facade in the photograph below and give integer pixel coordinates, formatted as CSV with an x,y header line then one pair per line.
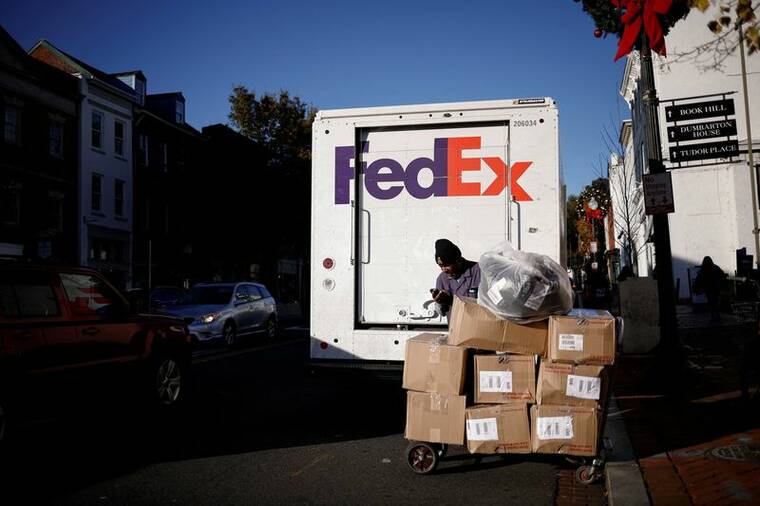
x,y
105,166
713,203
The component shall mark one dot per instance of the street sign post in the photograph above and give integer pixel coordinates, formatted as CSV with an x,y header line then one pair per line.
x,y
658,193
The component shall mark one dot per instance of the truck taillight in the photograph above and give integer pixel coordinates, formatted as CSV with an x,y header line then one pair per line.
x,y
328,263
323,345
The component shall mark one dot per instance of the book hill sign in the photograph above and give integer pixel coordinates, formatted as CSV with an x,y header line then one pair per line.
x,y
682,128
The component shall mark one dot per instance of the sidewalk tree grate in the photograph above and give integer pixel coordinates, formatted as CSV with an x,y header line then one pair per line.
x,y
736,452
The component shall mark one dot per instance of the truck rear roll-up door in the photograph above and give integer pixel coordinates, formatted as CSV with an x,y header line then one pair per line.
x,y
416,185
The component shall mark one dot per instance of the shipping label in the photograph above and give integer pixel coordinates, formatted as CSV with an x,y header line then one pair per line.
x,y
494,293
483,429
554,427
583,387
571,342
496,381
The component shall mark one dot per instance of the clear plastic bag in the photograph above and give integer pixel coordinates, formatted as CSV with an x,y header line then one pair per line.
x,y
521,286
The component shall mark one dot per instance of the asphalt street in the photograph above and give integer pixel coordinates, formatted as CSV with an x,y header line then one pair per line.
x,y
257,429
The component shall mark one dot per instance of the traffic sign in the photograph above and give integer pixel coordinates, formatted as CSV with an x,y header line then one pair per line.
x,y
658,193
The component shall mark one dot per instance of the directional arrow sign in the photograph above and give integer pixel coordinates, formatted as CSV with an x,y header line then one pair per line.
x,y
699,110
696,131
704,151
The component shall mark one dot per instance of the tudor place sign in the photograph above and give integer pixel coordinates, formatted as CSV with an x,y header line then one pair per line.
x,y
684,130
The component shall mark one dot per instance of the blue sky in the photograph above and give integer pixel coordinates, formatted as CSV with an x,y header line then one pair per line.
x,y
350,54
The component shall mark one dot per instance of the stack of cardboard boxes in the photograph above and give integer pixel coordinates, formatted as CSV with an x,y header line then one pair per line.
x,y
479,385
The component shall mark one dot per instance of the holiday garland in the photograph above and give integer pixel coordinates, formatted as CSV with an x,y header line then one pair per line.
x,y
602,199
607,14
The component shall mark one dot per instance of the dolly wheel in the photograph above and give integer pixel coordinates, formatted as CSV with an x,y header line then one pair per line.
x,y
422,458
585,475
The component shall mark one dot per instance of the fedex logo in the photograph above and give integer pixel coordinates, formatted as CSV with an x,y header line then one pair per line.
x,y
447,166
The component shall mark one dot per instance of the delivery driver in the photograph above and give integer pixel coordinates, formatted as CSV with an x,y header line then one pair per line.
x,y
459,276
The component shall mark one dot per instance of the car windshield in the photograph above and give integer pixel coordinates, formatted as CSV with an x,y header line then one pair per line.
x,y
209,295
165,295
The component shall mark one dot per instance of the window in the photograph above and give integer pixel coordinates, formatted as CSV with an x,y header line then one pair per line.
x,y
30,298
97,192
11,124
144,149
242,293
164,156
97,130
10,203
87,295
55,138
118,138
118,192
180,112
255,293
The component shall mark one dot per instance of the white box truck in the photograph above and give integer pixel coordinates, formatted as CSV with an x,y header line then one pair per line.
x,y
388,181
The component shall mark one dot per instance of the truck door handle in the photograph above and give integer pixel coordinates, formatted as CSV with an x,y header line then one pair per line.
x,y
91,331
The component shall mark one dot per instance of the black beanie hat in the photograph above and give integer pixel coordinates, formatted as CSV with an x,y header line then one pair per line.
x,y
447,251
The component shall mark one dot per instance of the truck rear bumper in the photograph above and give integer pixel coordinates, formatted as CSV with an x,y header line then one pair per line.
x,y
377,368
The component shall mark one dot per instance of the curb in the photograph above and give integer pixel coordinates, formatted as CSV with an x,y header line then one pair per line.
x,y
625,483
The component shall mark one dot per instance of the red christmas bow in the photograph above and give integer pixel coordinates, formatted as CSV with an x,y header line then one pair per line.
x,y
593,214
633,19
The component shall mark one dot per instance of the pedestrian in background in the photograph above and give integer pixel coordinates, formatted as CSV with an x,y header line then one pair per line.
x,y
709,282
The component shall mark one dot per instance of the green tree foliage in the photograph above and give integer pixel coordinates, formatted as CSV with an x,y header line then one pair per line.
x,y
278,123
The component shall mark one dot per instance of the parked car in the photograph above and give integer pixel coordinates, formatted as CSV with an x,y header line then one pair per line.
x,y
226,311
56,320
165,296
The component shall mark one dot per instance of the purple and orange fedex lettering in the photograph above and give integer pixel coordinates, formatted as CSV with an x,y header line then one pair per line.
x,y
447,166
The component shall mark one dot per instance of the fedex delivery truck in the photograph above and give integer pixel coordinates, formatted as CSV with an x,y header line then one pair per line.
x,y
389,181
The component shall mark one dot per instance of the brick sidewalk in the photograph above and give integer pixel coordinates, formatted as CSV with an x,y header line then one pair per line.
x,y
702,444
722,471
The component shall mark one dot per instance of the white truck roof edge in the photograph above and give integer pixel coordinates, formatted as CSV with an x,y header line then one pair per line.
x,y
477,105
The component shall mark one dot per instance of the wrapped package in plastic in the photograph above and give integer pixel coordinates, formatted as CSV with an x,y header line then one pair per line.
x,y
522,286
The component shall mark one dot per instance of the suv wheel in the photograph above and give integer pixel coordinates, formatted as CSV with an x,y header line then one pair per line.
x,y
170,380
271,328
229,334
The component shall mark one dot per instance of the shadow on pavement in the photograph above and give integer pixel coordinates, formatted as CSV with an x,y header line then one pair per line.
x,y
699,404
243,403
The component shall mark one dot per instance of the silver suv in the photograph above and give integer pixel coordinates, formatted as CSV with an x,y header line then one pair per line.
x,y
227,311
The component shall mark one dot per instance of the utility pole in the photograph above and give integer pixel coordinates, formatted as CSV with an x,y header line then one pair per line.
x,y
669,342
750,161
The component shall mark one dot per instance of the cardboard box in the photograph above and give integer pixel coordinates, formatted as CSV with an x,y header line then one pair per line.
x,y
433,366
567,430
435,418
505,378
474,326
583,336
498,429
572,385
